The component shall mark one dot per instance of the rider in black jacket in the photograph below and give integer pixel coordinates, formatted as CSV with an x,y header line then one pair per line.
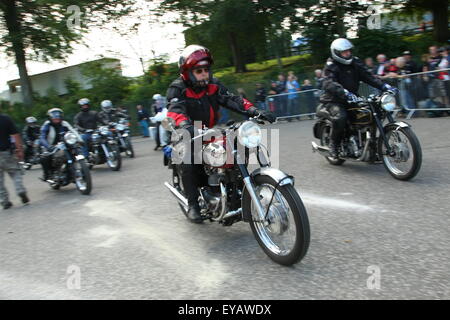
x,y
86,120
30,133
109,113
197,96
340,87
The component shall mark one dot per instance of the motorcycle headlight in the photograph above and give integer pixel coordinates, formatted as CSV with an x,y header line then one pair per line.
x,y
70,138
95,138
104,131
249,134
120,127
388,102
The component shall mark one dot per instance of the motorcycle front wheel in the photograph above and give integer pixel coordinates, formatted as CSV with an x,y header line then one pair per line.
x,y
114,161
284,234
406,161
82,176
129,149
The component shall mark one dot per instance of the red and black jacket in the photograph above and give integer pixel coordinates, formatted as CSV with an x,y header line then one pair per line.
x,y
187,105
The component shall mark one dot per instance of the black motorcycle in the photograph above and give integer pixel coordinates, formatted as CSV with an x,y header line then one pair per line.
x,y
34,155
103,148
265,198
121,132
69,165
367,139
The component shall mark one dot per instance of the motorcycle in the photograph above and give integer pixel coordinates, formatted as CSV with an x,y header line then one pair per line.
x,y
69,165
121,132
35,155
103,148
366,139
265,198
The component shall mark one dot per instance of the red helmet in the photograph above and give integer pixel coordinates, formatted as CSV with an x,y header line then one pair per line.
x,y
193,56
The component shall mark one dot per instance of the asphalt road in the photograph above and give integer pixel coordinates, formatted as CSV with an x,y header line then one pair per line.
x,y
128,239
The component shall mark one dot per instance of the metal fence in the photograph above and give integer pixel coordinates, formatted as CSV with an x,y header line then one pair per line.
x,y
424,93
293,105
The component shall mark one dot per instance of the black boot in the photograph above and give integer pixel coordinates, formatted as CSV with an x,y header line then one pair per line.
x,y
6,205
24,197
334,153
193,214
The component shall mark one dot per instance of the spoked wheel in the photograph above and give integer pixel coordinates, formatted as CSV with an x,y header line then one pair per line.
x,y
406,160
114,160
325,138
82,176
283,233
129,151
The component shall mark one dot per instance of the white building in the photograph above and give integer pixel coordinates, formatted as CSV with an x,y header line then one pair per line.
x,y
54,79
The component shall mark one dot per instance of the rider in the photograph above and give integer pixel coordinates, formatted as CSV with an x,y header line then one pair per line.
x,y
30,133
197,96
109,113
341,82
52,132
84,120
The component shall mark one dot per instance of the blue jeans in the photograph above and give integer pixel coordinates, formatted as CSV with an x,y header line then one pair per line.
x,y
86,138
144,128
262,105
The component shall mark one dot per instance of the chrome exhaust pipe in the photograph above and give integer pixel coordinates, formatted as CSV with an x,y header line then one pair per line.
x,y
181,199
232,213
324,151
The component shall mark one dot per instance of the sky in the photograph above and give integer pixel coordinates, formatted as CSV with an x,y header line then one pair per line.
x,y
156,36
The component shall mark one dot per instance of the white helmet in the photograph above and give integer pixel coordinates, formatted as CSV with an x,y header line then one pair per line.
x,y
339,45
106,105
157,97
83,101
31,120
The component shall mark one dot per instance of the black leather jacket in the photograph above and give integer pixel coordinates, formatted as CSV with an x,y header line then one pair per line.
x,y
338,76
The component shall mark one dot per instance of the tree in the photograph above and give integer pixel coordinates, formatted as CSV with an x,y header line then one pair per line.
x,y
45,30
439,9
323,21
242,24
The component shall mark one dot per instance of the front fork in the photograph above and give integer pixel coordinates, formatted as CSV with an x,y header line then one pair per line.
x,y
249,185
389,150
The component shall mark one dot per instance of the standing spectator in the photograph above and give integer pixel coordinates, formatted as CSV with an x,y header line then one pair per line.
x,y
380,67
405,84
318,79
282,100
292,87
143,118
370,65
260,97
436,85
444,74
411,66
308,98
9,155
273,101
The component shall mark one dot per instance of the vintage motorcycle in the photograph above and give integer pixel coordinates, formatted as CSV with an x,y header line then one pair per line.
x,y
265,198
367,139
121,132
69,165
103,148
34,157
